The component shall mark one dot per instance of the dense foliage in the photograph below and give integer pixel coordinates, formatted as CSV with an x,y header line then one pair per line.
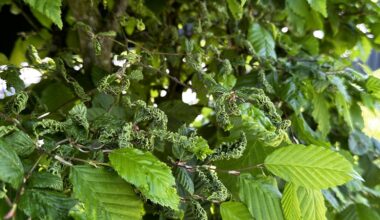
x,y
190,109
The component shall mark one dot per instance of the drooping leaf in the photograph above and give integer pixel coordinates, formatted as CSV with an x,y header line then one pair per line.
x,y
254,192
45,204
321,113
262,40
105,195
49,8
343,108
302,203
11,169
154,178
312,166
234,211
236,8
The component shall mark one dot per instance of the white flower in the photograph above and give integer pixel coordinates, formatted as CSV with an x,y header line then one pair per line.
x,y
118,62
40,143
189,97
3,89
30,76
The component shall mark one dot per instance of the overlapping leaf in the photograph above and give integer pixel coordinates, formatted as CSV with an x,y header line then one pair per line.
x,y
254,193
312,167
234,211
151,176
105,195
302,203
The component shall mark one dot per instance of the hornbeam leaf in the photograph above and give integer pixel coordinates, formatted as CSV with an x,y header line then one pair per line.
x,y
50,8
302,203
104,194
261,197
319,6
11,169
312,167
151,176
43,204
261,40
373,86
234,211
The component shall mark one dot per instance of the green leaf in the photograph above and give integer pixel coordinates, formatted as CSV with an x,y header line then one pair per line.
x,y
312,167
359,143
321,113
302,203
358,212
49,8
184,178
234,211
261,196
373,86
319,6
45,204
262,40
343,108
290,203
45,180
298,7
105,195
236,8
154,178
20,142
11,169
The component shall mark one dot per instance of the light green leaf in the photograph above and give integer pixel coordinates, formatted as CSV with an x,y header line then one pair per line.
x,y
236,8
234,211
312,167
154,178
49,8
321,113
262,40
319,6
302,203
46,204
373,86
105,195
290,203
11,169
261,196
